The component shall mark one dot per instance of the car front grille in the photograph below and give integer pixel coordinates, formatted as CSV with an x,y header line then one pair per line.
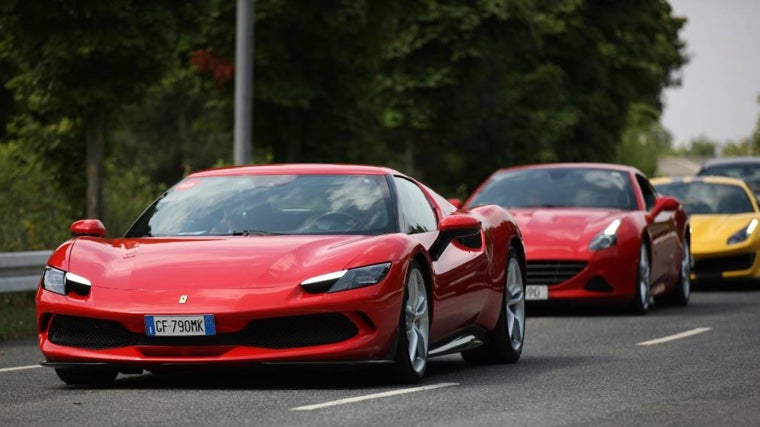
x,y
300,331
553,272
710,266
83,332
274,333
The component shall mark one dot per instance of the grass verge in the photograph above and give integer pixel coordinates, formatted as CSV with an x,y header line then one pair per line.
x,y
17,319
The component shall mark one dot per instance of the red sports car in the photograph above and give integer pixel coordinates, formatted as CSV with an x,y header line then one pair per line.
x,y
594,232
286,264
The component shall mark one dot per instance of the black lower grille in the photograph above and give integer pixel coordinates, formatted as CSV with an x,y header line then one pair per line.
x,y
275,333
553,272
721,264
84,332
303,331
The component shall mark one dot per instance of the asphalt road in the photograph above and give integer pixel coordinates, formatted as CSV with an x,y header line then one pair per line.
x,y
579,367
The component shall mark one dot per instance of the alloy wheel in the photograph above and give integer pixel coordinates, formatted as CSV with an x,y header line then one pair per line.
x,y
417,321
515,304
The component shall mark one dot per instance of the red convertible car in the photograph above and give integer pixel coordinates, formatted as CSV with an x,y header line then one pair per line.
x,y
286,264
595,232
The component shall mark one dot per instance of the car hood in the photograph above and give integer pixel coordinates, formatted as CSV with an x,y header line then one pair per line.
x,y
712,231
224,263
562,227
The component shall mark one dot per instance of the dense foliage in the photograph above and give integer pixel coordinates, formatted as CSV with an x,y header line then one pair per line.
x,y
17,319
446,90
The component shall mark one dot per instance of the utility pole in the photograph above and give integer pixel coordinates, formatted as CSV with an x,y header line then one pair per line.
x,y
244,29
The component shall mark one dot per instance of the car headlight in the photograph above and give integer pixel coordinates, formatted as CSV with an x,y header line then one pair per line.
x,y
62,282
744,233
346,279
607,238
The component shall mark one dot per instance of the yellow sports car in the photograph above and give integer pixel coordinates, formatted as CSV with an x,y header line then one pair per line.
x,y
724,217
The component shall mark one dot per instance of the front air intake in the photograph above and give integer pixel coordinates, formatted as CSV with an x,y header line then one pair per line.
x,y
551,272
272,333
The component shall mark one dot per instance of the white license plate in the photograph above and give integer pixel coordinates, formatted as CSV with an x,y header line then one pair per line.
x,y
536,292
172,326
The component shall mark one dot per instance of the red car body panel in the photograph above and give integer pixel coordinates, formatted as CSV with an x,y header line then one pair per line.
x,y
245,279
563,234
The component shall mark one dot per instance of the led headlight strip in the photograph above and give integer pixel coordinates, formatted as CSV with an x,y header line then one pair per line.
x,y
63,282
344,280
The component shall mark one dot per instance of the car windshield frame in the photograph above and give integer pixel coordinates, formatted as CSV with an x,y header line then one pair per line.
x,y
271,204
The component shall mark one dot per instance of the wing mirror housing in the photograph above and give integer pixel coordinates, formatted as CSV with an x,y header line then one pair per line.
x,y
88,227
457,202
665,203
453,227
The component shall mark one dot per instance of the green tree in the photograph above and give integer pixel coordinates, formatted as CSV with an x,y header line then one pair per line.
x,y
82,62
313,86
481,85
744,147
33,214
701,146
644,139
446,90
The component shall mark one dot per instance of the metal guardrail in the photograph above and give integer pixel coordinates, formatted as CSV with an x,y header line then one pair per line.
x,y
21,271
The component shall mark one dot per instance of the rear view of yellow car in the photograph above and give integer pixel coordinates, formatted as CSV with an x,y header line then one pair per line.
x,y
725,225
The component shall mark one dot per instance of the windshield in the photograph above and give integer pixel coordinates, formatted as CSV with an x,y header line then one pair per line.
x,y
558,187
748,172
708,198
270,204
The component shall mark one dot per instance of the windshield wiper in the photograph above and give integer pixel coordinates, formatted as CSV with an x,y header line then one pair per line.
x,y
252,233
542,205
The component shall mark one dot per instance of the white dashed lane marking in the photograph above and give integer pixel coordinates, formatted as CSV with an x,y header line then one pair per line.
x,y
19,368
372,396
689,333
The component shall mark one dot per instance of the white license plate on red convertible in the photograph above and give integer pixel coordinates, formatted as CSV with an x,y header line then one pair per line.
x,y
180,326
536,292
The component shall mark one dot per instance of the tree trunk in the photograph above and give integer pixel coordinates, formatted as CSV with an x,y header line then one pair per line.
x,y
95,139
409,158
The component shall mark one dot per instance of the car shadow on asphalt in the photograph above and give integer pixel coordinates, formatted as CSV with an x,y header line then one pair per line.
x,y
575,310
258,378
279,377
696,305
726,286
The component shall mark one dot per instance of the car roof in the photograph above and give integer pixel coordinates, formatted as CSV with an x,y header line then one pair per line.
x,y
298,169
743,160
585,165
707,179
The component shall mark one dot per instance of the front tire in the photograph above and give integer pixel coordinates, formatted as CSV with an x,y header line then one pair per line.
x,y
641,297
414,328
507,339
682,291
86,375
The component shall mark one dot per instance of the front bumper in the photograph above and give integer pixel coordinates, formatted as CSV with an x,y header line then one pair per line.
x,y
605,276
264,326
730,265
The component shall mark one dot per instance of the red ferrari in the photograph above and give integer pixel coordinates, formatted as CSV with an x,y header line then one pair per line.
x,y
595,232
286,264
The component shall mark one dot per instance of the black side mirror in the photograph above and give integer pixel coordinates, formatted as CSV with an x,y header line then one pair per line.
x,y
453,227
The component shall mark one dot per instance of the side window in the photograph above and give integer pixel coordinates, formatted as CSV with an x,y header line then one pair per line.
x,y
650,195
416,214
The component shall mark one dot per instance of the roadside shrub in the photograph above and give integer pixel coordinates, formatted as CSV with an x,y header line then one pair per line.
x,y
34,213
